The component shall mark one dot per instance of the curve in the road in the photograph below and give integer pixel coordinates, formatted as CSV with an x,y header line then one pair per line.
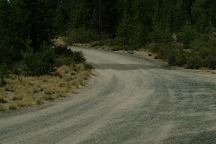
x,y
129,101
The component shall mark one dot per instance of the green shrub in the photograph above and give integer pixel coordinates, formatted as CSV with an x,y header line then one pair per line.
x,y
59,51
160,36
88,66
187,35
210,62
152,47
194,61
204,46
39,63
82,35
66,57
181,59
78,57
180,56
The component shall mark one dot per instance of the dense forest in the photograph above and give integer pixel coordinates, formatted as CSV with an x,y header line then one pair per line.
x,y
27,32
181,31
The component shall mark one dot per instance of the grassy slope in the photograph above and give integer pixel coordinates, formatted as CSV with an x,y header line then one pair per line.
x,y
27,91
24,91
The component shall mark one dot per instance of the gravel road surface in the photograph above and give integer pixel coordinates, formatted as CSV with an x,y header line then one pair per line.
x,y
129,100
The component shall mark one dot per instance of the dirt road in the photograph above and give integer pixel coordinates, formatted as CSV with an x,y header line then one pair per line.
x,y
128,101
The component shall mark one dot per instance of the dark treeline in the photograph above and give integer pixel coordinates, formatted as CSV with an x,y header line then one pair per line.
x,y
181,31
27,30
143,20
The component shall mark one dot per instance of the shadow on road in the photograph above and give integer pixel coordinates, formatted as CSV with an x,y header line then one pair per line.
x,y
123,67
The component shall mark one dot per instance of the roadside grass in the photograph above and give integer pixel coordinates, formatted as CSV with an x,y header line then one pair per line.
x,y
26,88
25,91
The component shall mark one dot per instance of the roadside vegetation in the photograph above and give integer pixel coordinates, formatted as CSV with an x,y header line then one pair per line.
x,y
183,32
34,66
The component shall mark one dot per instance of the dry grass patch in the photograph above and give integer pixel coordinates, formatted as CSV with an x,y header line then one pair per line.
x,y
25,91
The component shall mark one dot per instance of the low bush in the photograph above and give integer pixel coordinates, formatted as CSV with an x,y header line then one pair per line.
x,y
160,36
82,35
66,56
204,47
45,62
199,52
187,35
210,62
39,63
87,66
62,51
194,61
78,57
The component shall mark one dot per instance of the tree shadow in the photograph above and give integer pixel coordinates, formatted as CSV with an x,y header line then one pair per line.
x,y
123,67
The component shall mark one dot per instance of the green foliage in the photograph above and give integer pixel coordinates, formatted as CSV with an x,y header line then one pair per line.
x,y
82,35
125,31
78,57
160,36
194,62
25,26
204,47
187,35
66,57
88,66
200,53
39,63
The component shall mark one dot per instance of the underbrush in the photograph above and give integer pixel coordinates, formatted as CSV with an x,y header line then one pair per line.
x,y
41,76
81,35
112,44
24,91
190,58
192,50
46,61
200,52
